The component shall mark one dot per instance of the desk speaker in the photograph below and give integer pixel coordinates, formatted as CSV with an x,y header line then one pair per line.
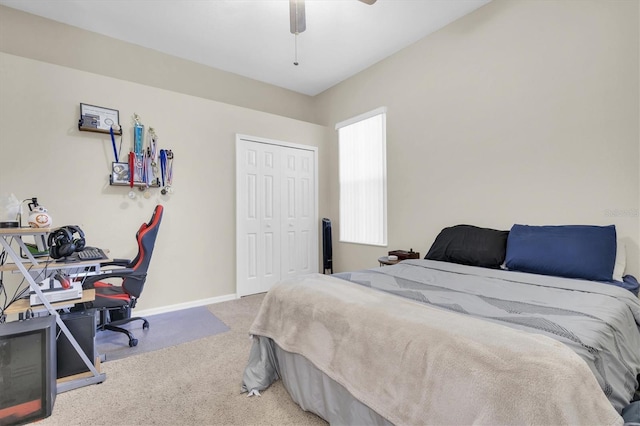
x,y
82,326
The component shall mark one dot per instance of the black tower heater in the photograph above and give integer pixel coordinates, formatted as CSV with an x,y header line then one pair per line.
x,y
327,252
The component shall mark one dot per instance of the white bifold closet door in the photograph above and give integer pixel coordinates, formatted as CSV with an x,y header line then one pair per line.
x,y
276,213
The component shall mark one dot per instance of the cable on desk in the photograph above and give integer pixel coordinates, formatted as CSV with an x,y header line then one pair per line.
x,y
3,290
3,306
17,294
19,290
6,301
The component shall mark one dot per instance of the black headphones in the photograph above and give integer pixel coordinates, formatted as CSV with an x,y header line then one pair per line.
x,y
80,241
61,242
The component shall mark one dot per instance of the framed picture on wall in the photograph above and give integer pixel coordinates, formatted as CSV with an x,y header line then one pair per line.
x,y
119,173
98,119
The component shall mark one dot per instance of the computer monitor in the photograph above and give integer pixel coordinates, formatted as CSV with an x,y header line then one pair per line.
x,y
27,370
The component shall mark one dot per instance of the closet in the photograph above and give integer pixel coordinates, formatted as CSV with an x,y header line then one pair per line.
x,y
276,212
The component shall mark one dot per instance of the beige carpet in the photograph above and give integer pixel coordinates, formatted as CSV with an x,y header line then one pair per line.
x,y
195,383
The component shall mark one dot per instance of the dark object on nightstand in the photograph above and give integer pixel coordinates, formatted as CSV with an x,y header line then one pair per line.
x,y
403,254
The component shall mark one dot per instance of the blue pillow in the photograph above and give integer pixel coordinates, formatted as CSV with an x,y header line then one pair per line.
x,y
572,251
630,283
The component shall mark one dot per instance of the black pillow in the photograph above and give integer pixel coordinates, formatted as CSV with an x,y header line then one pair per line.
x,y
470,245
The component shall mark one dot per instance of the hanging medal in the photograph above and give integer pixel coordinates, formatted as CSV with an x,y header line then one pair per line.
x,y
166,171
163,170
148,174
153,148
143,176
170,171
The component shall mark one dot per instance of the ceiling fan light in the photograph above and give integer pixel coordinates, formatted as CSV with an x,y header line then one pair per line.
x,y
297,19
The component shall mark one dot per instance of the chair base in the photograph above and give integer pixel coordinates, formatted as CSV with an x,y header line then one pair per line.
x,y
113,326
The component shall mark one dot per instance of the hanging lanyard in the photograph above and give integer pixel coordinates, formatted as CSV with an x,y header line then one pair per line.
x,y
143,175
113,143
132,161
163,164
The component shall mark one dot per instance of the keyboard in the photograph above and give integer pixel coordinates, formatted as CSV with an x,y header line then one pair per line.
x,y
91,253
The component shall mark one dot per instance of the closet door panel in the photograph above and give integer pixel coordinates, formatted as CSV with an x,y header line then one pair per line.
x,y
258,217
276,214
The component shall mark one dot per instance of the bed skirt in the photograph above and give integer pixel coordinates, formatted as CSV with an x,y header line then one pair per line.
x,y
316,392
308,387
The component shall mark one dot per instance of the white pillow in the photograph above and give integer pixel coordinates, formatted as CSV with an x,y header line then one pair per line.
x,y
621,261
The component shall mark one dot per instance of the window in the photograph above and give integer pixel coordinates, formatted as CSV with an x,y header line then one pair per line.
x,y
362,169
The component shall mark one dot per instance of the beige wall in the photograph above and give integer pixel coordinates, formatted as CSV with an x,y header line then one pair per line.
x,y
38,38
43,154
521,112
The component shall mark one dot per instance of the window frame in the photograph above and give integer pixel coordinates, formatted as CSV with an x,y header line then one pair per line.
x,y
383,242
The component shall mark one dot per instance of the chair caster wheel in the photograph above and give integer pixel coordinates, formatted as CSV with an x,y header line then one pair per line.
x,y
133,342
145,325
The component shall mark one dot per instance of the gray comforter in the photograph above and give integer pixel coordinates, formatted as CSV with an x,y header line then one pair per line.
x,y
600,322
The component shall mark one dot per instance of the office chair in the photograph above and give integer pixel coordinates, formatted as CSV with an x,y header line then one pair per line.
x,y
114,303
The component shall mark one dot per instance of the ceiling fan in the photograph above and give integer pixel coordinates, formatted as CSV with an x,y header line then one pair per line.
x,y
298,21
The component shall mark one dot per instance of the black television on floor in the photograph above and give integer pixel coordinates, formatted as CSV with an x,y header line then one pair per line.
x,y
27,370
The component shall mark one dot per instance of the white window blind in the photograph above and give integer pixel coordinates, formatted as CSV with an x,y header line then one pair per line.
x,y
363,178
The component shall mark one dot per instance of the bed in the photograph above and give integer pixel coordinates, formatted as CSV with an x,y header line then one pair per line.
x,y
448,342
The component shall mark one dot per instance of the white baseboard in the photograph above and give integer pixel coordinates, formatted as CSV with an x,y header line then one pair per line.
x,y
186,305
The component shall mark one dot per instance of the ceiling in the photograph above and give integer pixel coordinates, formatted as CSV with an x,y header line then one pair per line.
x,y
251,37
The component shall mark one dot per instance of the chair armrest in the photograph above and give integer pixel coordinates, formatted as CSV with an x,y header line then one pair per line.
x,y
117,262
89,280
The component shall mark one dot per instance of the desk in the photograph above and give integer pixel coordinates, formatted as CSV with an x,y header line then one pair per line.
x,y
9,235
22,305
48,263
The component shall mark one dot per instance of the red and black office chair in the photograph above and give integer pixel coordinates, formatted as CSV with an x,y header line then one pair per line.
x,y
114,302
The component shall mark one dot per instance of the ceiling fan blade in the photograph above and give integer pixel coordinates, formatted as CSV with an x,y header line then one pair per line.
x,y
297,20
369,2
